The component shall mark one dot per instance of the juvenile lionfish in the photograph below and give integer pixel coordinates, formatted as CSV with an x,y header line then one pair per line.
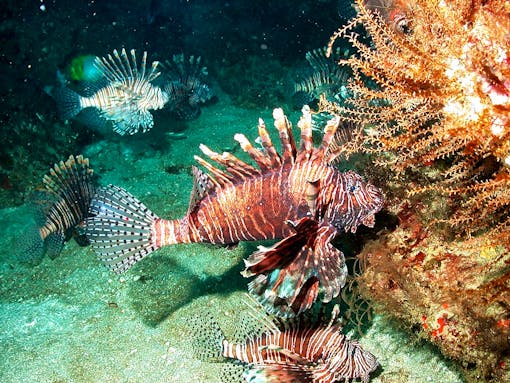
x,y
184,81
305,349
61,205
298,196
124,97
325,77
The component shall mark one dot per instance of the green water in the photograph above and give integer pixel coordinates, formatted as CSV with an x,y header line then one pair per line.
x,y
71,320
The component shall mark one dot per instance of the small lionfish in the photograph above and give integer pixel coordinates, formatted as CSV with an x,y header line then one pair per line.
x,y
326,78
304,349
125,97
62,205
184,83
298,196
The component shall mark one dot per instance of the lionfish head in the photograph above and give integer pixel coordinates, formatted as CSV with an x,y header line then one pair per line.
x,y
364,201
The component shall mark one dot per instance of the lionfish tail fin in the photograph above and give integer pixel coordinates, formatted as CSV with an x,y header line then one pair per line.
x,y
68,102
292,273
207,338
120,228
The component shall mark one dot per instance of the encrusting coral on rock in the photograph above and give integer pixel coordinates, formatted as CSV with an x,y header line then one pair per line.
x,y
431,103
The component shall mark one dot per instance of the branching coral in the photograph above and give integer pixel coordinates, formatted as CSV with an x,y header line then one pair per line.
x,y
432,95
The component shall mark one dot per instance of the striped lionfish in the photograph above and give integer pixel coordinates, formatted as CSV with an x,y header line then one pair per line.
x,y
125,97
304,349
326,78
298,196
184,83
62,205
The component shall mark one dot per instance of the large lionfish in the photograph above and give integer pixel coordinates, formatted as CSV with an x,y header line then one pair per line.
x,y
298,196
124,97
306,349
184,81
61,205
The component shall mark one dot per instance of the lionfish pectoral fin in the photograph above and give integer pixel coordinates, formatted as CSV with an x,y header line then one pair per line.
x,y
119,228
54,244
281,254
293,272
206,337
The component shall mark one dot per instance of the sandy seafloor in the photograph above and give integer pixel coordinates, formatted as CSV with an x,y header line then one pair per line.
x,y
71,320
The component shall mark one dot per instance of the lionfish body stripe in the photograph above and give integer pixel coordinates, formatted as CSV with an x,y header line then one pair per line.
x,y
296,195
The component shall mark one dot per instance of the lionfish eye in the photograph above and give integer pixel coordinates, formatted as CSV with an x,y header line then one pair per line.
x,y
352,188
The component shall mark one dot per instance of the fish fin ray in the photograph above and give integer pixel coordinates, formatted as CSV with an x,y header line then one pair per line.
x,y
68,102
202,185
119,228
292,273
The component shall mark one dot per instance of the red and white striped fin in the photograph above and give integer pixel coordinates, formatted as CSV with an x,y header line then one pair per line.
x,y
120,228
263,161
202,185
124,69
271,152
309,267
305,125
328,138
233,165
217,176
286,137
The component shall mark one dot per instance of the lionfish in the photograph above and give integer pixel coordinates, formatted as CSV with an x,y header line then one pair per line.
x,y
62,206
305,349
297,195
124,97
326,78
184,81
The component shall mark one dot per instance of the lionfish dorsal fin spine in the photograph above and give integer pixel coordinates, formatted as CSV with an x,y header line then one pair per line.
x,y
256,155
286,138
123,68
327,139
305,125
238,169
202,185
271,152
126,65
217,176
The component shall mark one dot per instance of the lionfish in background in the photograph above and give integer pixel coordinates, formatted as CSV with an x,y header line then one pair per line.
x,y
305,349
325,77
184,81
125,96
297,195
61,206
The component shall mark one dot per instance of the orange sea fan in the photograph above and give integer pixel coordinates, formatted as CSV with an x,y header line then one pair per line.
x,y
431,89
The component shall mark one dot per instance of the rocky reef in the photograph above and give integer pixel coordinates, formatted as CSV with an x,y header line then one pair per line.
x,y
430,106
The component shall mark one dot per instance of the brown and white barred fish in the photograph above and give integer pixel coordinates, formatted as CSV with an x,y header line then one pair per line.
x,y
62,205
298,196
125,98
301,350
